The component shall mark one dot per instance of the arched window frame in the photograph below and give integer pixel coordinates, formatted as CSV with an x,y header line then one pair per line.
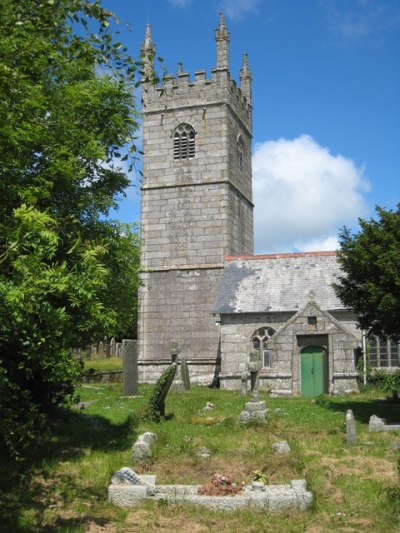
x,y
184,145
259,341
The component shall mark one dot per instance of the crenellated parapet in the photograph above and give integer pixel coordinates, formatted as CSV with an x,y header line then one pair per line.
x,y
182,90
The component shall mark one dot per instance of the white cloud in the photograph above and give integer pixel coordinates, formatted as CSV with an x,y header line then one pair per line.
x,y
303,194
361,21
236,9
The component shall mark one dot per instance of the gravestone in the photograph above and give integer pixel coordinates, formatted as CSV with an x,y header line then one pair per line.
x,y
185,373
112,347
253,411
93,351
118,349
156,405
142,448
130,367
100,350
243,383
281,447
107,347
255,367
351,435
174,351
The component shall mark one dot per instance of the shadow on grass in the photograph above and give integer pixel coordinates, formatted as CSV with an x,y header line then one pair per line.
x,y
67,435
363,409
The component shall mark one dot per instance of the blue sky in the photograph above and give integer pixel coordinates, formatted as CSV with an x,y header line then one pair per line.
x,y
326,104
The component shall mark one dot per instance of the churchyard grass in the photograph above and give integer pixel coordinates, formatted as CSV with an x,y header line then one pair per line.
x,y
63,484
109,363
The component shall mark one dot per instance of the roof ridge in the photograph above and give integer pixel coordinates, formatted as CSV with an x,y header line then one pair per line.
x,y
293,255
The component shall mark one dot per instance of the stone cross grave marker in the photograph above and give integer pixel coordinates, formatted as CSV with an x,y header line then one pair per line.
x,y
255,367
130,367
351,436
174,351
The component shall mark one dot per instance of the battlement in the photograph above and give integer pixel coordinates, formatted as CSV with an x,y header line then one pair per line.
x,y
180,91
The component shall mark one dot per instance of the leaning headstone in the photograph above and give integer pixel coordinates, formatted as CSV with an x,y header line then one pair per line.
x,y
107,348
130,367
100,350
185,373
281,447
112,347
351,435
156,405
118,349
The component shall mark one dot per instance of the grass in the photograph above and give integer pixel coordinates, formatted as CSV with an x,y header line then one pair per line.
x,y
110,363
62,487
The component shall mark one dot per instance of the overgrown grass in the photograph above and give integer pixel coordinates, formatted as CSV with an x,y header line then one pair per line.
x,y
63,484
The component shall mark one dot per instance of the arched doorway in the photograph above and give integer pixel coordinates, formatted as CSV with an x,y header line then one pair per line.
x,y
314,371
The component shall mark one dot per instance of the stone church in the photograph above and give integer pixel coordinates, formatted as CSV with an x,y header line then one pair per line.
x,y
202,286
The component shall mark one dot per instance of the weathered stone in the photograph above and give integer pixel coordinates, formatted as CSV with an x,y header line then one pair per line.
x,y
243,383
272,498
185,373
281,447
141,451
147,437
376,423
253,411
126,476
130,367
255,406
142,447
174,351
100,350
351,435
112,347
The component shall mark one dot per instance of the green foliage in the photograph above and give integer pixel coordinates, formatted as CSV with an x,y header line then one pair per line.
x,y
371,285
67,274
385,381
156,406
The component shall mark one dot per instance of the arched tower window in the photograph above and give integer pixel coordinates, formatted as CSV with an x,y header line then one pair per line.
x,y
240,150
184,142
259,341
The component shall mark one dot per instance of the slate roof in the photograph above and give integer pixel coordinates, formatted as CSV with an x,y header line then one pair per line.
x,y
280,282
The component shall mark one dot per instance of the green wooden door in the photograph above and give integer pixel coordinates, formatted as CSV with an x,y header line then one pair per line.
x,y
313,371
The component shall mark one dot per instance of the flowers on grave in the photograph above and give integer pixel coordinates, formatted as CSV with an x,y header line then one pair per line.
x,y
261,476
220,485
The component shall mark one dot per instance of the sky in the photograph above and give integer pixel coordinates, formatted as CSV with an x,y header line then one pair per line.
x,y
326,104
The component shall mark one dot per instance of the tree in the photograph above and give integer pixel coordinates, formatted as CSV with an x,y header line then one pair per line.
x,y
370,261
67,274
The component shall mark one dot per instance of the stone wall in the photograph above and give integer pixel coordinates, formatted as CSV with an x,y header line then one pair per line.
x,y
292,334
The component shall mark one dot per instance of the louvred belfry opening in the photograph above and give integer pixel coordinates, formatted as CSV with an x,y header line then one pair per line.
x,y
184,142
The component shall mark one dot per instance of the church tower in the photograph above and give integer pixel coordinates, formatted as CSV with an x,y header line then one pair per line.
x,y
196,205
